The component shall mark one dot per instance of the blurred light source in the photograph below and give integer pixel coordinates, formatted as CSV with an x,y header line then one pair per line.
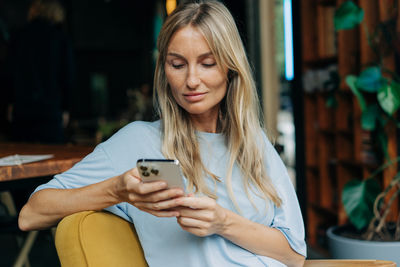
x,y
288,28
170,5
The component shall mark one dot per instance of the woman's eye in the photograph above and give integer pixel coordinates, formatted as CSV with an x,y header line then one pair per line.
x,y
177,66
209,65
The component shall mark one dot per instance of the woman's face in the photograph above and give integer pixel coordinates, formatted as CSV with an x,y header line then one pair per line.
x,y
197,83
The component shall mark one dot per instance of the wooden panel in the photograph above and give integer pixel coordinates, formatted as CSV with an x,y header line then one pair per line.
x,y
310,112
326,152
357,131
389,173
371,19
309,34
326,115
386,9
344,113
326,31
348,52
313,186
313,221
344,145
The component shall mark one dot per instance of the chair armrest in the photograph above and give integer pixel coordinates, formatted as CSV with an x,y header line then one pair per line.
x,y
349,263
93,238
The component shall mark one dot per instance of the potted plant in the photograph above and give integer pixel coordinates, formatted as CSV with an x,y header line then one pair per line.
x,y
367,205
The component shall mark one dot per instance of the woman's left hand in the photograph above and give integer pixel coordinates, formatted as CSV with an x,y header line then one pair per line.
x,y
201,216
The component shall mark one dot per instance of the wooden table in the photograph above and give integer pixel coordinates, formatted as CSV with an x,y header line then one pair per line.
x,y
349,263
65,156
35,173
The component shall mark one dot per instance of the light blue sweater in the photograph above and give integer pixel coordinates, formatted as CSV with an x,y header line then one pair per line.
x,y
164,242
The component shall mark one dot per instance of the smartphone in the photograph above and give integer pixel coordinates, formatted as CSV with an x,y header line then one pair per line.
x,y
168,170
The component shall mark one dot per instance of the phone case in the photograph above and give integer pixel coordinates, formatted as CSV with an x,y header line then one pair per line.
x,y
161,169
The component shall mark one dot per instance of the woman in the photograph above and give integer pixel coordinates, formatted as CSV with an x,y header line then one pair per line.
x,y
241,209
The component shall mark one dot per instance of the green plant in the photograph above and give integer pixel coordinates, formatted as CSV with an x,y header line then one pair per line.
x,y
377,90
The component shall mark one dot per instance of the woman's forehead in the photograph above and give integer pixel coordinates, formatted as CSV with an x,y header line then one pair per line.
x,y
188,39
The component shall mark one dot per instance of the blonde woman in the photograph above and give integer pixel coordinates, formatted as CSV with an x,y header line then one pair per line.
x,y
240,210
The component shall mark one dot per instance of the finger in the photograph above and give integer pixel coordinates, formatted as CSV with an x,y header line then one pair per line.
x,y
196,202
191,222
157,206
165,194
196,231
203,215
134,173
161,213
162,195
150,187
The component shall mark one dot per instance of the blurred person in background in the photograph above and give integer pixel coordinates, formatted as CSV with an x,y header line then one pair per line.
x,y
41,75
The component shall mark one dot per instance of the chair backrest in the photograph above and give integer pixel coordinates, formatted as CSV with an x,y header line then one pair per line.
x,y
97,239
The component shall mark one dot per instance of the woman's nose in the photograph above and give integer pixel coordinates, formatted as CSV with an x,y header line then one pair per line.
x,y
192,79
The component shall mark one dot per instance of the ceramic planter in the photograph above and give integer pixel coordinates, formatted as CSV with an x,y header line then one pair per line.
x,y
347,248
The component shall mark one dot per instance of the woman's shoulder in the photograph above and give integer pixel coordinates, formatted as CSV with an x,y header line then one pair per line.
x,y
142,126
136,131
264,139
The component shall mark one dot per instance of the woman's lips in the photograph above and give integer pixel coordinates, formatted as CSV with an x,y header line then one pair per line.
x,y
194,97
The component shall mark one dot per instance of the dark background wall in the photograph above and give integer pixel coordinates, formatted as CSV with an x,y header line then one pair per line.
x,y
113,39
113,42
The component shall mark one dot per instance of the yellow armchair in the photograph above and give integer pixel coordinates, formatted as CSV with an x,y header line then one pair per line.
x,y
101,239
97,239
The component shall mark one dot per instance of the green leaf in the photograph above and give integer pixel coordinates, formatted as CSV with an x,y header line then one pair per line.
x,y
358,199
370,80
331,101
351,81
369,117
389,97
347,16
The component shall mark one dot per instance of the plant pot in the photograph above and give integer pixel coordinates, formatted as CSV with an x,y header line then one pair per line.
x,y
348,248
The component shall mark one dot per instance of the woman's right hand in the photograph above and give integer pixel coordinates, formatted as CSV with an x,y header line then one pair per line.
x,y
152,197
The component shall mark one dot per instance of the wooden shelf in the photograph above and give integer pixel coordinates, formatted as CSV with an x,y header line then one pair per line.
x,y
336,148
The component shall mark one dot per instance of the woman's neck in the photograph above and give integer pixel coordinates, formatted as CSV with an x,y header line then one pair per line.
x,y
207,124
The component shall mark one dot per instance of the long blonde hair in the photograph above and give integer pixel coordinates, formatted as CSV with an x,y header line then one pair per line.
x,y
239,120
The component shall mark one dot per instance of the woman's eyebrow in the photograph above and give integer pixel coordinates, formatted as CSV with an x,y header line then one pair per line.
x,y
180,56
206,54
174,54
